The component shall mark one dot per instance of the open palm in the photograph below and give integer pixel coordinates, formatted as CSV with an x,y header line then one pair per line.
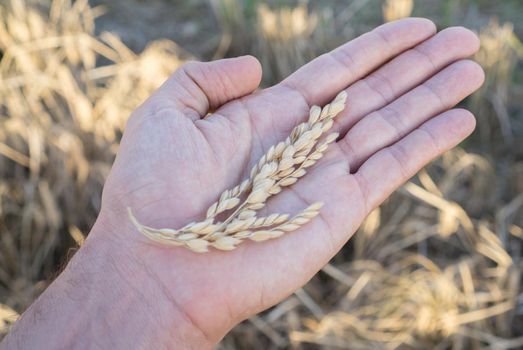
x,y
176,159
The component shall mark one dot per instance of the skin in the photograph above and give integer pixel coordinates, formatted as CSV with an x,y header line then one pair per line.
x,y
121,290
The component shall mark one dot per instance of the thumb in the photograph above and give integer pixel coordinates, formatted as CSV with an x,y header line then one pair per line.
x,y
198,87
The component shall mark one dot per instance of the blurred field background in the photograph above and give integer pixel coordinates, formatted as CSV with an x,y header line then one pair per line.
x,y
438,266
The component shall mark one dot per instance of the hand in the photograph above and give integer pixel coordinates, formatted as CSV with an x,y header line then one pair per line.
x,y
402,80
175,160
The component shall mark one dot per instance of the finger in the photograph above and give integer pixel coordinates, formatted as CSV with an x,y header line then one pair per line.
x,y
282,106
389,124
321,79
388,169
198,87
405,72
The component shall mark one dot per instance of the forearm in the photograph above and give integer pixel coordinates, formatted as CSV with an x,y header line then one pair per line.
x,y
104,299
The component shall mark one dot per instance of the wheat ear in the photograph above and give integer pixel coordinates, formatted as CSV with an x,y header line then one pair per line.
x,y
282,166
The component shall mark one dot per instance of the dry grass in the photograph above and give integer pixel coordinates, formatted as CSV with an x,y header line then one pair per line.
x,y
499,55
396,9
281,166
437,266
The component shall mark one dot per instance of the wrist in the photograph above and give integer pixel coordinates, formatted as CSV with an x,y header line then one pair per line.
x,y
175,272
106,298
128,297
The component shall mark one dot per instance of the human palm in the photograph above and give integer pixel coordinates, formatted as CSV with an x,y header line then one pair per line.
x,y
175,159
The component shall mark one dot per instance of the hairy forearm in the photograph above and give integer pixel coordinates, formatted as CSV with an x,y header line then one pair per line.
x,y
104,299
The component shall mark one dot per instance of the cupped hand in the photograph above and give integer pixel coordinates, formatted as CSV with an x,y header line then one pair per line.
x,y
203,130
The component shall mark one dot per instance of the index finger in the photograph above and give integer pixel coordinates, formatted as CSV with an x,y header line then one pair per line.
x,y
322,78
